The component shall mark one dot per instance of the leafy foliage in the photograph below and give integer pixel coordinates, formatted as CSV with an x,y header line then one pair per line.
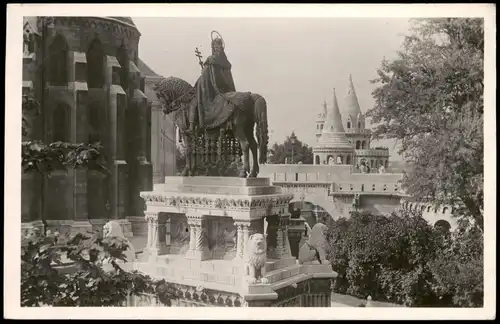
x,y
293,153
404,260
45,158
430,98
82,270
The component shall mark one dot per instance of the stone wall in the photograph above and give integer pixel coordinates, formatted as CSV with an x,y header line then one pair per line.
x,y
82,71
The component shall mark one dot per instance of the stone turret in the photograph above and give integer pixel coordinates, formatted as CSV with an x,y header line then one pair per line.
x,y
333,145
320,120
352,112
358,135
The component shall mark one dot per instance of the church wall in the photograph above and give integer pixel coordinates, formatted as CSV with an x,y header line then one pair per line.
x,y
73,113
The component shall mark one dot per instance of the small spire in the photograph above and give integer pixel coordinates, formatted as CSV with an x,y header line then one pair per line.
x,y
333,122
352,104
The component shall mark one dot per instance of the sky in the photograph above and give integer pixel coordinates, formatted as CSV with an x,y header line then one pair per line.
x,y
294,63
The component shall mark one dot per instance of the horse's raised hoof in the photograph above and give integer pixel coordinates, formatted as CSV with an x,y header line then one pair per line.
x,y
243,174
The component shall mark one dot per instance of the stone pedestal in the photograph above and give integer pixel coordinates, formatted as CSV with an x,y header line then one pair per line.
x,y
244,203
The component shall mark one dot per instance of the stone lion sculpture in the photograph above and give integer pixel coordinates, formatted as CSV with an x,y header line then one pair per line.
x,y
113,229
255,264
314,250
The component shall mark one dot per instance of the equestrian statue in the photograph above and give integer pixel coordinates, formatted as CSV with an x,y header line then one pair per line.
x,y
216,122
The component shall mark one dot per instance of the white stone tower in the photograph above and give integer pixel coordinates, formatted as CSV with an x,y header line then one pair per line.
x,y
333,145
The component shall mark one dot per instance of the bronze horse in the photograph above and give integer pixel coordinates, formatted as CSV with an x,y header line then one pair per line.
x,y
177,96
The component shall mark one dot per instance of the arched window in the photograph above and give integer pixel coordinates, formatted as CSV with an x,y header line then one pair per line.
x,y
358,145
348,124
321,127
363,145
60,125
359,124
316,159
122,58
58,66
95,65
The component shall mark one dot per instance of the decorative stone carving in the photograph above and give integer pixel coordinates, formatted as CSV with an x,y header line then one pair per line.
x,y
313,251
255,263
245,204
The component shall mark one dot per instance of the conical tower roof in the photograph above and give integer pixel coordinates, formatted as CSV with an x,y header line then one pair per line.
x,y
352,105
333,134
333,120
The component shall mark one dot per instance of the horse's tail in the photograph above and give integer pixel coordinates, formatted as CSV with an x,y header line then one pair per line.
x,y
260,112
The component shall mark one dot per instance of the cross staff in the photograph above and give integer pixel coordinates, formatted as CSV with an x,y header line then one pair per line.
x,y
199,56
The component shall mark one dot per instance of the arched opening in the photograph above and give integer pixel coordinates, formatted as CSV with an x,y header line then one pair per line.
x,y
386,164
321,127
329,159
348,124
358,145
95,65
60,125
58,66
442,225
348,159
339,160
316,159
94,122
359,124
122,58
363,145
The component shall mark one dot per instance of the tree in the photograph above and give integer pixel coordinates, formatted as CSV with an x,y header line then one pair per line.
x,y
430,98
69,271
402,259
293,153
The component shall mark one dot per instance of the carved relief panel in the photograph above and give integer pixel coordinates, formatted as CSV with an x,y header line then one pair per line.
x,y
179,230
221,237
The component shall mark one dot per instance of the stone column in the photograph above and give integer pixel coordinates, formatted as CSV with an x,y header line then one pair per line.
x,y
239,242
197,244
156,234
192,237
283,244
272,236
246,236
